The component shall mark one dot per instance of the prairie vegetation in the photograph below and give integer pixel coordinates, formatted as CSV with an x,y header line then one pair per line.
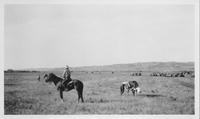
x,y
24,94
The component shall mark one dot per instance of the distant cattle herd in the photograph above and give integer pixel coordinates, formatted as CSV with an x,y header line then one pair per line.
x,y
167,74
174,74
137,73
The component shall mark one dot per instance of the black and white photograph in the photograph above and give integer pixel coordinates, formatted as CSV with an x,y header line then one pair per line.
x,y
101,58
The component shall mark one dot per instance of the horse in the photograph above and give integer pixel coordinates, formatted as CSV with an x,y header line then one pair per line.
x,y
130,85
66,86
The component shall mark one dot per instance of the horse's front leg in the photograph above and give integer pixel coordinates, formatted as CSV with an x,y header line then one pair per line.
x,y
61,95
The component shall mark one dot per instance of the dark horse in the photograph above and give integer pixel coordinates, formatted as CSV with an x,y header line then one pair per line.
x,y
66,86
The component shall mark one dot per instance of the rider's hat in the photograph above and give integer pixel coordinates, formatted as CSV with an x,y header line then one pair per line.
x,y
67,67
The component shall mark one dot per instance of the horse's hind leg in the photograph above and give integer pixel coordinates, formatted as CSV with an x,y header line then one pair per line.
x,y
81,96
75,87
81,93
78,96
61,95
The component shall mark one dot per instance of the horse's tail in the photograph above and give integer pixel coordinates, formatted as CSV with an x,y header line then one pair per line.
x,y
122,89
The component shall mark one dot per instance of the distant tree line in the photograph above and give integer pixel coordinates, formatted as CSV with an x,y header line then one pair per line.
x,y
20,71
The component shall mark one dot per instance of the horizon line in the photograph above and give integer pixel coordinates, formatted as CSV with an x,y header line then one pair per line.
x,y
100,65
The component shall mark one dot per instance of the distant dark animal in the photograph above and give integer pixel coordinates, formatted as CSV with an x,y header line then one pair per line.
x,y
139,74
130,85
182,74
66,86
38,78
136,73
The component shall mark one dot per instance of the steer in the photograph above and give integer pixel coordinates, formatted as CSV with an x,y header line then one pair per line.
x,y
130,85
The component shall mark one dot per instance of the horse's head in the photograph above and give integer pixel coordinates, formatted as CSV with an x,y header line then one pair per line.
x,y
49,77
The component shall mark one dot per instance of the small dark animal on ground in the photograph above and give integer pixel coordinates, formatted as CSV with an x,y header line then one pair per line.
x,y
38,78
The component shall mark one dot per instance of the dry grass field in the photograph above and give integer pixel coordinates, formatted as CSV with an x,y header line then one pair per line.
x,y
24,94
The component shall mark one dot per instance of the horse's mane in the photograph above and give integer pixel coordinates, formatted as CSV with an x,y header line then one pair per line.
x,y
53,75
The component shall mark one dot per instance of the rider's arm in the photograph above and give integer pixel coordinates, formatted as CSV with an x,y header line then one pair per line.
x,y
64,74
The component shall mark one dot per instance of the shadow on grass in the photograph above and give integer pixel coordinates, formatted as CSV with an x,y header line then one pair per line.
x,y
93,100
151,95
158,95
9,84
189,85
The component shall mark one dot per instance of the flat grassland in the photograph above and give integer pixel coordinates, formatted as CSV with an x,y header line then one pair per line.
x,y
24,94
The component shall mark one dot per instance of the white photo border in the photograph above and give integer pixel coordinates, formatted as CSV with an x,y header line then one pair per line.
x,y
192,2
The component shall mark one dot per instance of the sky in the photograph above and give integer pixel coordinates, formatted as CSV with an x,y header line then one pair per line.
x,y
55,35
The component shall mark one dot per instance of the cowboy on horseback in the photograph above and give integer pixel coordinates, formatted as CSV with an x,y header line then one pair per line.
x,y
66,75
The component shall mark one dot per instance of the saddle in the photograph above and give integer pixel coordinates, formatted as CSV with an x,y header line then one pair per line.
x,y
64,84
